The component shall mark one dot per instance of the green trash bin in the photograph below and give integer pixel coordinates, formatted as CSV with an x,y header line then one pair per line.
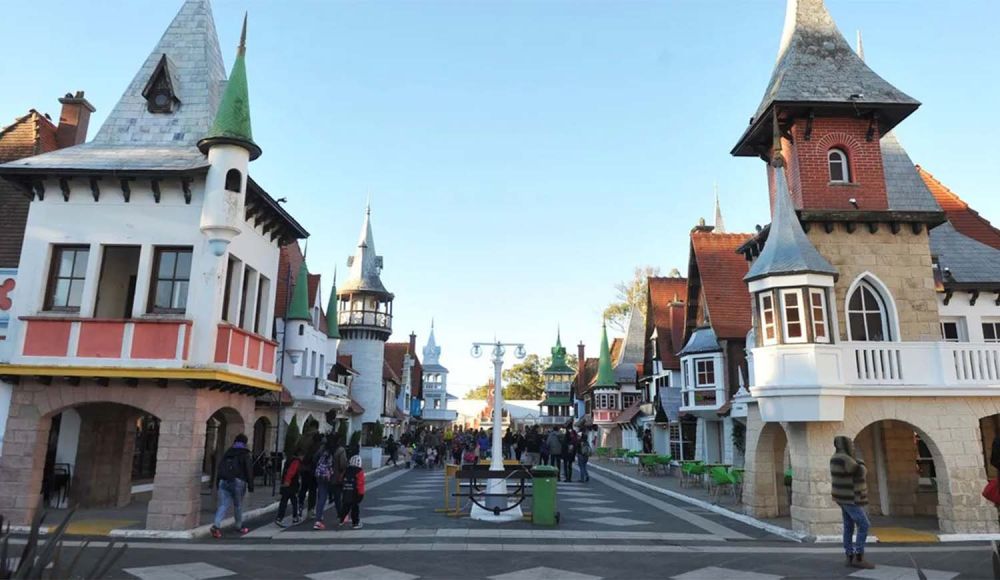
x,y
543,495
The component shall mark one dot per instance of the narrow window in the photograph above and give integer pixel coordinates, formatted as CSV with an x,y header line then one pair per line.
x,y
171,278
817,305
953,330
791,303
767,322
839,172
231,266
991,331
263,292
705,387
234,180
867,315
66,277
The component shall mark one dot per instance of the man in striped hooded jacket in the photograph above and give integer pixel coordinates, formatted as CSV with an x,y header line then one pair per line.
x,y
850,491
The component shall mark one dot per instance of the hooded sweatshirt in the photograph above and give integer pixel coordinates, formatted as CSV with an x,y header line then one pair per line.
x,y
848,474
244,465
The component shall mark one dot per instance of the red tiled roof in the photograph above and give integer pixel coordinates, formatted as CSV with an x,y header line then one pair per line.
x,y
716,272
616,349
668,321
590,371
394,353
290,259
965,219
346,360
628,414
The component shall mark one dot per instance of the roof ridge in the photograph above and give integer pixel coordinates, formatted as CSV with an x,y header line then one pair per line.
x,y
964,206
17,121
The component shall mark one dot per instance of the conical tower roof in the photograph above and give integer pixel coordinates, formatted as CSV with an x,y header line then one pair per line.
x,y
332,325
365,265
605,372
232,120
298,308
558,364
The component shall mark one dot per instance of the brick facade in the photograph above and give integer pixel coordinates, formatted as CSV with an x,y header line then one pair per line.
x,y
183,414
809,171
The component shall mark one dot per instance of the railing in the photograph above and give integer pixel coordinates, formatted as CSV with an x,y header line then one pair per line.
x,y
374,318
439,414
976,362
235,346
554,420
98,341
330,388
878,363
922,363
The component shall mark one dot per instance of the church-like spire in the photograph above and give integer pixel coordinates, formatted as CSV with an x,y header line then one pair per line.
x,y
720,224
605,372
298,308
232,121
332,325
558,363
365,266
432,352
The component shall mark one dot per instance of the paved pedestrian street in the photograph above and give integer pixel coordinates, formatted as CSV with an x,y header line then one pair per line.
x,y
607,529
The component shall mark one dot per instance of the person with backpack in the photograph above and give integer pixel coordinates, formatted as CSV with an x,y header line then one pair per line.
x,y
570,444
290,478
235,474
353,493
307,487
583,456
331,465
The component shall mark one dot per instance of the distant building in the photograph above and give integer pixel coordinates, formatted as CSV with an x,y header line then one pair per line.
x,y
435,388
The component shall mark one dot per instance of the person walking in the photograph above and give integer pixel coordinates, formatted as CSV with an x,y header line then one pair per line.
x,y
290,479
235,474
532,448
570,445
392,450
353,493
583,456
555,444
307,486
330,468
850,491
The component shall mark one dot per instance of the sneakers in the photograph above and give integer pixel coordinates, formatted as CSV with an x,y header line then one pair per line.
x,y
358,526
243,531
280,523
319,526
216,532
860,562
296,520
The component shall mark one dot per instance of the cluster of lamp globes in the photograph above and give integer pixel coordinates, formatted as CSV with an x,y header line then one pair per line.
x,y
499,350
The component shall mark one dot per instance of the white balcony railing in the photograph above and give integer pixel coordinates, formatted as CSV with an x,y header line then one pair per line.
x,y
808,382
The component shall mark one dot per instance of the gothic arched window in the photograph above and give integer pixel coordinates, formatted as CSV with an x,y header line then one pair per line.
x,y
867,314
839,171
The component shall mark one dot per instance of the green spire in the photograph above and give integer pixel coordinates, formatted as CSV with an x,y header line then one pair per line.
x,y
332,327
232,120
298,309
605,374
558,364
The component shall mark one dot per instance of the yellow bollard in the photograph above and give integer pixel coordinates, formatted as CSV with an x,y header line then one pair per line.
x,y
449,476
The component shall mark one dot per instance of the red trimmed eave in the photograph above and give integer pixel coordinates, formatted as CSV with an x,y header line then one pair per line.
x,y
721,270
965,219
669,326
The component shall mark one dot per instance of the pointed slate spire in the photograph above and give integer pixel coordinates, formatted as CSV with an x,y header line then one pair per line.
x,y
298,308
232,120
720,224
605,372
365,265
332,326
787,249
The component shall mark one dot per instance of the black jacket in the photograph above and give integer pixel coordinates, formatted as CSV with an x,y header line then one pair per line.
x,y
244,465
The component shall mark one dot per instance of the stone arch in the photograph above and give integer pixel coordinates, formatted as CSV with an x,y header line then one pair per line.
x,y
221,428
885,294
260,436
765,494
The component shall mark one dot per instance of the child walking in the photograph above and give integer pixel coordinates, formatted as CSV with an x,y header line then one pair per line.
x,y
353,493
290,479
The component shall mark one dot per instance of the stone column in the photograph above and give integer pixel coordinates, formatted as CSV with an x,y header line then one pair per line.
x,y
961,507
813,509
176,500
764,494
23,459
103,475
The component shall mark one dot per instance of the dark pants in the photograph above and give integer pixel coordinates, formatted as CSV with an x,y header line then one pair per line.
x,y
567,461
582,460
353,507
308,487
556,461
288,494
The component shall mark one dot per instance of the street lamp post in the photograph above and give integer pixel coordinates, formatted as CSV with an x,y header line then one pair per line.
x,y
496,488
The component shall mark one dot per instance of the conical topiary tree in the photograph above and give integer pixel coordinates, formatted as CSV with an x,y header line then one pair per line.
x,y
292,437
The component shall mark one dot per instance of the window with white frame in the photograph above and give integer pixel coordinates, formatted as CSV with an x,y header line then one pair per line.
x,y
867,314
839,171
769,331
793,322
991,330
953,329
703,389
817,308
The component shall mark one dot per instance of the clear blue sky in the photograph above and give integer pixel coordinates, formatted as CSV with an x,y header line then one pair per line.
x,y
522,156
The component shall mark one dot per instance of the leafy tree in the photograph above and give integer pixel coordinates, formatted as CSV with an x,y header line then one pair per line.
x,y
524,380
480,392
292,436
630,294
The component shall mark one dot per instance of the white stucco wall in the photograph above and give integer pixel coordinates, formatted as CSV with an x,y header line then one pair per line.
x,y
973,315
367,357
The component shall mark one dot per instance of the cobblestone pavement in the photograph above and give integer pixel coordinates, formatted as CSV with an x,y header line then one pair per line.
x,y
608,529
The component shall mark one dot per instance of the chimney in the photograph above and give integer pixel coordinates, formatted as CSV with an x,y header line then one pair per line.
x,y
73,120
581,369
413,344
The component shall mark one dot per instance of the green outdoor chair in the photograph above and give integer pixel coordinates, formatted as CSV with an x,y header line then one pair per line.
x,y
647,465
664,463
720,479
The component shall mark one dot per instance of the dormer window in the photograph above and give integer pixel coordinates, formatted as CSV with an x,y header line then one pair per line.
x,y
161,89
839,171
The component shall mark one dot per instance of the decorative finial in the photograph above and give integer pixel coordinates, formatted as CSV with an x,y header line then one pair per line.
x,y
777,159
368,203
243,38
861,47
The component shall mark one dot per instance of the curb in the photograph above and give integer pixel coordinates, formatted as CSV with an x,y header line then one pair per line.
x,y
202,531
742,518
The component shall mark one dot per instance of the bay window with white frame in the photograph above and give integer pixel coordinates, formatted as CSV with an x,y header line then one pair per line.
x,y
792,314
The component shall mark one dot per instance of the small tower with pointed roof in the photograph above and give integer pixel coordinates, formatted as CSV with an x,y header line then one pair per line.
x,y
558,407
435,383
364,321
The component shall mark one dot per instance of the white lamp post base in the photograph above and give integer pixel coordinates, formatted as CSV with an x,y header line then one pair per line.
x,y
485,515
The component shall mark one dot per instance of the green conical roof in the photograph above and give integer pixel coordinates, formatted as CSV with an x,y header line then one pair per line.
x,y
605,373
558,364
232,120
298,309
332,327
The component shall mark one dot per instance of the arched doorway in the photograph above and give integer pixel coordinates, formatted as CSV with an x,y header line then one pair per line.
x,y
768,477
259,443
989,429
905,472
220,430
96,452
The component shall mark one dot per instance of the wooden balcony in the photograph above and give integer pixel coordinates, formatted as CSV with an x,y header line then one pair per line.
x,y
73,341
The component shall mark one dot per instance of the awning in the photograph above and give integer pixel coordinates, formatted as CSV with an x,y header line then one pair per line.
x,y
627,415
355,408
724,409
555,401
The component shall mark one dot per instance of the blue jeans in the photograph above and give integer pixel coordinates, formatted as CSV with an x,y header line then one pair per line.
x,y
582,461
327,491
854,515
230,493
